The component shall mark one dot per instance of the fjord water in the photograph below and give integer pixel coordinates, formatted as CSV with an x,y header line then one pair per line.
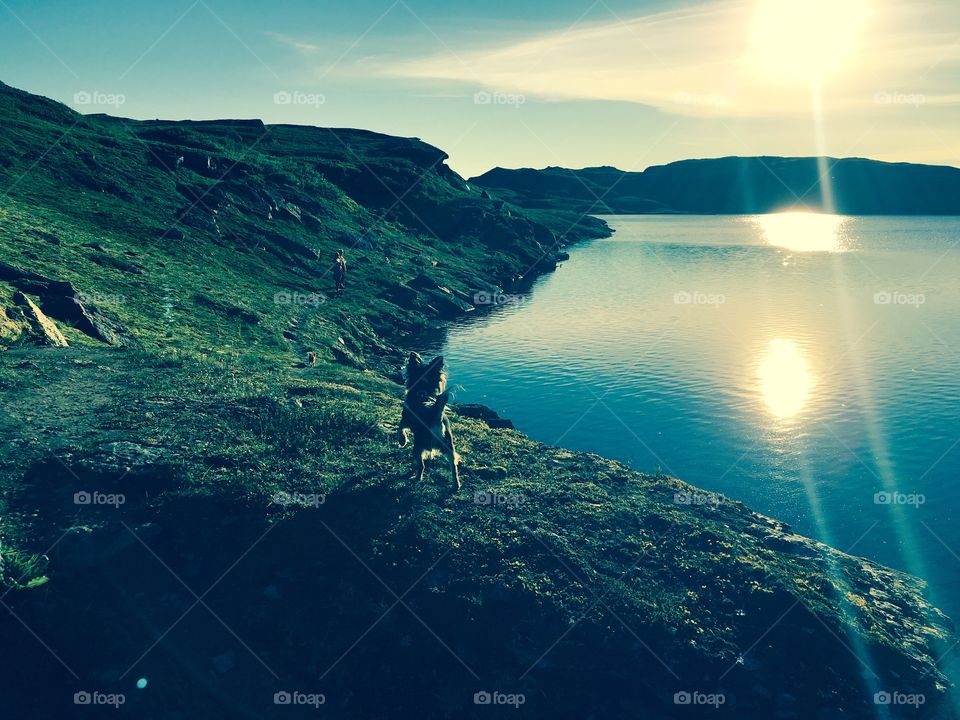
x,y
807,365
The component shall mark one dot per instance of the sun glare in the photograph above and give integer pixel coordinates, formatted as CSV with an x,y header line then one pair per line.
x,y
804,40
803,231
785,380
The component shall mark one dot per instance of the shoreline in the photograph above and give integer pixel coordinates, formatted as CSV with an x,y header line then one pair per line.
x,y
268,484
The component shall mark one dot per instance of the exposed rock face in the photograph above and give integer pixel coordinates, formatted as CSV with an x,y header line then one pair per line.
x,y
64,302
402,295
44,329
84,316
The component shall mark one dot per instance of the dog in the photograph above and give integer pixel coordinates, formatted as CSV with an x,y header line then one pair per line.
x,y
311,358
424,414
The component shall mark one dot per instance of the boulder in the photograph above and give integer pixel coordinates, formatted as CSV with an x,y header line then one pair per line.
x,y
424,282
482,412
172,234
44,329
289,211
109,261
84,316
344,356
402,295
447,305
23,279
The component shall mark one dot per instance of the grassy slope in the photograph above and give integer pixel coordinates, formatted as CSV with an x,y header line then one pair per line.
x,y
215,412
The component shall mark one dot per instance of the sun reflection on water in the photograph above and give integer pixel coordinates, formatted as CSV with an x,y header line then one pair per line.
x,y
785,379
803,231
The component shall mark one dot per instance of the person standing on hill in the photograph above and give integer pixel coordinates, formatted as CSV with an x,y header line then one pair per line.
x,y
340,272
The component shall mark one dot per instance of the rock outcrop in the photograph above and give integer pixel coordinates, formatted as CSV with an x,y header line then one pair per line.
x,y
43,329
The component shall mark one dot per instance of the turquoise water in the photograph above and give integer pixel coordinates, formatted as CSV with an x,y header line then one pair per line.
x,y
806,365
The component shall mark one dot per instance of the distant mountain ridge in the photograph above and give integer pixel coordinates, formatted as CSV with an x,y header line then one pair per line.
x,y
734,185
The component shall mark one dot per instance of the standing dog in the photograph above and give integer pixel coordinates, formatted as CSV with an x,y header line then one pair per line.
x,y
424,414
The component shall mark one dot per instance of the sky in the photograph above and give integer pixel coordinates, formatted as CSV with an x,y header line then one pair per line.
x,y
574,83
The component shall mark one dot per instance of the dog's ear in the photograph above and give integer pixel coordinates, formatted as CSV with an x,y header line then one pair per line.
x,y
414,368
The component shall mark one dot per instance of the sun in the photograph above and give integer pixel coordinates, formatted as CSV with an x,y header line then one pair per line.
x,y
805,40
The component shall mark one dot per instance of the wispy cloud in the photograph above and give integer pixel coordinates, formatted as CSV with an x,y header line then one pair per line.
x,y
696,61
295,43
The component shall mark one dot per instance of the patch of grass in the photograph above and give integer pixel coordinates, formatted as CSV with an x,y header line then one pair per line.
x,y
19,571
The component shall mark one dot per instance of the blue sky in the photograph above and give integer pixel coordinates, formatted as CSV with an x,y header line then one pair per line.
x,y
520,84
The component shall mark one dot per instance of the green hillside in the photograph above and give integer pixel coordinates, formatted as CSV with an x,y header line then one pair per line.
x,y
163,288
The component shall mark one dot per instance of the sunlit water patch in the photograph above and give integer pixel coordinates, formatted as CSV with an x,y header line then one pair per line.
x,y
805,364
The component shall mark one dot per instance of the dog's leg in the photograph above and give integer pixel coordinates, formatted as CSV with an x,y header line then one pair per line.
x,y
419,466
405,424
452,453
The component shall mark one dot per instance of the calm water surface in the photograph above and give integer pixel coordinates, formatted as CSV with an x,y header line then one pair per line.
x,y
806,365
